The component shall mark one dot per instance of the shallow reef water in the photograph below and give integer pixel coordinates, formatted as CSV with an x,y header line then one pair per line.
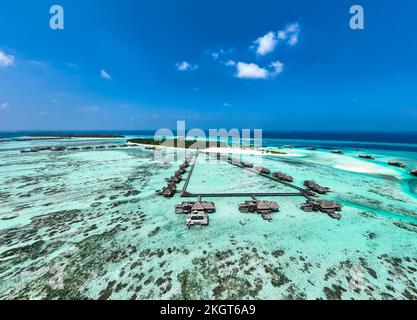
x,y
88,225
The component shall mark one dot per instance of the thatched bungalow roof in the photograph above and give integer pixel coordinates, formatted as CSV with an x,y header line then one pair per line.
x,y
332,205
282,176
198,206
262,170
316,187
168,192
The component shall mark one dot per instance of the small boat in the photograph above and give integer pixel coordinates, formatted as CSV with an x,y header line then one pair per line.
x,y
366,156
311,148
398,164
337,151
413,172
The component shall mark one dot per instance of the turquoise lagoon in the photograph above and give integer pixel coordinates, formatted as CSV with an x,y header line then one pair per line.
x,y
88,225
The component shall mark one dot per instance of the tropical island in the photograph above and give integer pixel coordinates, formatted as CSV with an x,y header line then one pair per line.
x,y
77,135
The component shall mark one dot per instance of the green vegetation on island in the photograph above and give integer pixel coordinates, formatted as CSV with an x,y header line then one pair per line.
x,y
178,143
77,135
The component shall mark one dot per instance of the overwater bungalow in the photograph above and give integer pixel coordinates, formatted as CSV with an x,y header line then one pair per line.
x,y
37,149
87,148
397,164
337,151
195,207
366,156
247,164
283,177
59,148
199,218
123,146
180,171
112,146
175,179
264,208
330,207
73,149
262,170
101,147
150,148
313,186
413,172
259,206
167,192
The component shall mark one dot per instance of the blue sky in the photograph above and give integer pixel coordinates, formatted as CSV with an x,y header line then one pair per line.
x,y
283,65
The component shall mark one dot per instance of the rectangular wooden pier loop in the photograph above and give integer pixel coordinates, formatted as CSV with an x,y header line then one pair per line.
x,y
301,192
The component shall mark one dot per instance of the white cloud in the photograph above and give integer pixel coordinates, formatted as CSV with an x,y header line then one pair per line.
x,y
230,63
266,44
282,35
290,34
6,60
277,68
73,66
215,55
105,75
253,71
4,106
226,104
250,71
185,66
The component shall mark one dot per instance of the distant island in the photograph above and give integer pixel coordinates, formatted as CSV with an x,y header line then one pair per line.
x,y
176,143
220,147
77,135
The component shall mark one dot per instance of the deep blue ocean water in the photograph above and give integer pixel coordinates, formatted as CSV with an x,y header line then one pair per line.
x,y
400,141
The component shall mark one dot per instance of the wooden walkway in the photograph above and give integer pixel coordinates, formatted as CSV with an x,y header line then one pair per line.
x,y
190,173
240,195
